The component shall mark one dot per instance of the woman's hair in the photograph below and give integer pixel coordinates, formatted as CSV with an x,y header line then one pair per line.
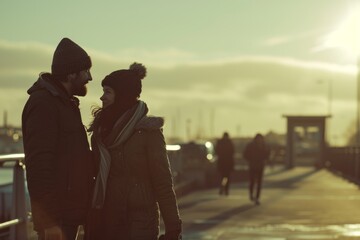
x,y
127,86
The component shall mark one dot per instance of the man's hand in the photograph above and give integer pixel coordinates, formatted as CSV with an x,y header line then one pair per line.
x,y
54,233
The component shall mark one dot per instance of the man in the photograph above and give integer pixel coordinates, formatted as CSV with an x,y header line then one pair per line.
x,y
57,154
256,153
224,150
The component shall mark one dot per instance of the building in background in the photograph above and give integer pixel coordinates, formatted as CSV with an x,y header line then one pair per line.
x,y
10,138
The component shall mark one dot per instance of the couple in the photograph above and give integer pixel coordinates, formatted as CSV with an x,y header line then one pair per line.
x,y
118,189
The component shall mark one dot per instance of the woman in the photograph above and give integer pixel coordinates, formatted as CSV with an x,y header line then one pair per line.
x,y
134,179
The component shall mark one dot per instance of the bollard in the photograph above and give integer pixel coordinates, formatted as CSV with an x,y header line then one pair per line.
x,y
18,211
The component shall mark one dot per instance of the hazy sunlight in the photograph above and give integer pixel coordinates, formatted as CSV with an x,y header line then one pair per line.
x,y
347,34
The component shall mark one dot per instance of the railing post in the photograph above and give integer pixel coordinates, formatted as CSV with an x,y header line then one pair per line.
x,y
19,231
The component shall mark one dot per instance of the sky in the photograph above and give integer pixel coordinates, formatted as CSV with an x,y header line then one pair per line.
x,y
213,66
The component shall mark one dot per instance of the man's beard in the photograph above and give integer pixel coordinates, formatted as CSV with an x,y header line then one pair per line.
x,y
78,88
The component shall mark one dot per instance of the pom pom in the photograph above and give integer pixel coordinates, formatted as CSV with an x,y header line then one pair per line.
x,y
139,69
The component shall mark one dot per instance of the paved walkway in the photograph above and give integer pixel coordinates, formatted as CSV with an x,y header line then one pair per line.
x,y
297,204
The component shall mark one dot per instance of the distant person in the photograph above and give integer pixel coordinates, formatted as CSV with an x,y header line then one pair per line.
x,y
256,153
134,182
224,149
57,153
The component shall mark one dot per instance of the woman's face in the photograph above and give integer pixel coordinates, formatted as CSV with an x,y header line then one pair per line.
x,y
108,96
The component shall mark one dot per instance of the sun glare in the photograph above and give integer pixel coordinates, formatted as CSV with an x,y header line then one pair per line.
x,y
347,34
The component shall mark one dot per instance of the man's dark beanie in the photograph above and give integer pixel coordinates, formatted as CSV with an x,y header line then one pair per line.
x,y
69,58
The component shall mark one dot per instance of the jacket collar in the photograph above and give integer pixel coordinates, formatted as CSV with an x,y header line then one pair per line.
x,y
46,81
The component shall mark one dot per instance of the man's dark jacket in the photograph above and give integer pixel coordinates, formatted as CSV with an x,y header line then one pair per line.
x,y
224,149
256,155
57,155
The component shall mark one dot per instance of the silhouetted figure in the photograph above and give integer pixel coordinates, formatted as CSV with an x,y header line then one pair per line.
x,y
57,154
224,149
256,153
134,182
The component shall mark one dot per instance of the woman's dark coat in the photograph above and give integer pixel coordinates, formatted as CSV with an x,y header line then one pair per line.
x,y
139,185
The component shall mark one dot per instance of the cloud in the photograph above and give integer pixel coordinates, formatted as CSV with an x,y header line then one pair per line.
x,y
279,40
250,93
273,41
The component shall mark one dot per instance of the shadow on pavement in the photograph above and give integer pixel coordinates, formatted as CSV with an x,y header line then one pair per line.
x,y
193,203
205,224
288,181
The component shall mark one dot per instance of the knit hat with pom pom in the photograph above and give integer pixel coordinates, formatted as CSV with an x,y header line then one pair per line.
x,y
126,82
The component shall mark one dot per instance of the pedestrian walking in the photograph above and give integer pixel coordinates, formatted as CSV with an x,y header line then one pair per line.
x,y
224,149
134,182
57,154
256,153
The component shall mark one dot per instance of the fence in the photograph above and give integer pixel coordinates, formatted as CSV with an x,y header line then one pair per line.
x,y
344,161
17,225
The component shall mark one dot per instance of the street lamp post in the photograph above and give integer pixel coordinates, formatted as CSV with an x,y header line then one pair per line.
x,y
358,106
357,159
330,97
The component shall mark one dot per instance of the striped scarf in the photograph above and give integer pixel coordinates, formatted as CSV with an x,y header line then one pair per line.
x,y
123,129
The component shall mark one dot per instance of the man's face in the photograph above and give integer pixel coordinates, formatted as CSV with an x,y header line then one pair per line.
x,y
78,84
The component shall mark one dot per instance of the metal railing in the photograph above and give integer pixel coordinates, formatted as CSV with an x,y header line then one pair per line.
x,y
18,222
345,161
